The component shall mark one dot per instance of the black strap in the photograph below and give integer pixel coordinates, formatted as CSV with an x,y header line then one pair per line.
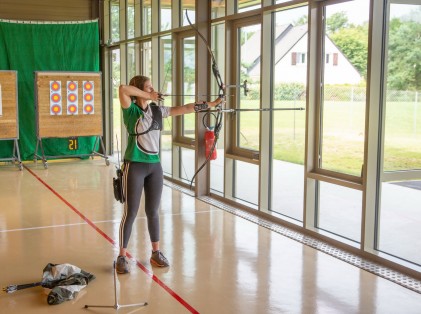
x,y
156,120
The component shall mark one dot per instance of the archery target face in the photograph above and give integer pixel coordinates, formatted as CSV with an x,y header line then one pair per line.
x,y
81,100
55,98
88,97
72,97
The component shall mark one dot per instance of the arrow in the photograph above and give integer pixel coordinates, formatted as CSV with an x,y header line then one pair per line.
x,y
259,109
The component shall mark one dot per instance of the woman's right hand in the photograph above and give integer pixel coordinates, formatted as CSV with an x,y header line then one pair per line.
x,y
155,96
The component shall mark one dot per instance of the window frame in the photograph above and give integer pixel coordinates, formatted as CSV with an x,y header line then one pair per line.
x,y
233,149
179,139
318,172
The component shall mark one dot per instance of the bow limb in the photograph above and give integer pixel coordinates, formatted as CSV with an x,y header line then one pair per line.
x,y
215,69
221,92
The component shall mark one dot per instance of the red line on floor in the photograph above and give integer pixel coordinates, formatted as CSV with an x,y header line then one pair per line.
x,y
140,265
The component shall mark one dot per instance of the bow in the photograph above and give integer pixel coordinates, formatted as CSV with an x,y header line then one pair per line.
x,y
218,109
215,69
221,94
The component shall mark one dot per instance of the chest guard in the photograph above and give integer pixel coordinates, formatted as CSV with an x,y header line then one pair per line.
x,y
156,120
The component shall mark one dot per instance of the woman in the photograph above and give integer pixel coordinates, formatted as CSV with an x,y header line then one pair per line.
x,y
142,167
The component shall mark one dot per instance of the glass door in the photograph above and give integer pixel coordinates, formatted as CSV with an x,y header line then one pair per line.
x,y
399,232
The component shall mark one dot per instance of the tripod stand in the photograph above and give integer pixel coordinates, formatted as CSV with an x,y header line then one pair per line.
x,y
116,305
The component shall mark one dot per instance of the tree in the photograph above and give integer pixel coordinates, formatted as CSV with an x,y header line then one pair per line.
x,y
353,42
333,23
350,39
336,22
404,62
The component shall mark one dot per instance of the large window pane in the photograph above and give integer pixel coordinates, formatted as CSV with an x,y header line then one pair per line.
x,y
400,211
165,15
130,19
344,62
166,88
114,20
189,84
402,145
339,210
400,220
187,164
217,165
146,17
289,90
246,183
218,8
248,122
131,61
146,57
188,7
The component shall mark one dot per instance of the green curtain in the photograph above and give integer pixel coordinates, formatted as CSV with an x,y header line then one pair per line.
x,y
45,47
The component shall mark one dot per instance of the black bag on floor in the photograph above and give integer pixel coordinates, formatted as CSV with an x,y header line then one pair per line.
x,y
118,186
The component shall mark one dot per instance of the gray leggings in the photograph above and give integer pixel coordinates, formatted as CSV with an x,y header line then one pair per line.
x,y
139,176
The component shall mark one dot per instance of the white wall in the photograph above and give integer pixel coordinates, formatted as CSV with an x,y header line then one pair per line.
x,y
285,72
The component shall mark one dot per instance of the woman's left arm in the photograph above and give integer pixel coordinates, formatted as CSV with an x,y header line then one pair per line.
x,y
189,108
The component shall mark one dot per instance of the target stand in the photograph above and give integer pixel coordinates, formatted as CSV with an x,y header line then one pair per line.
x,y
9,122
44,157
116,305
16,154
68,105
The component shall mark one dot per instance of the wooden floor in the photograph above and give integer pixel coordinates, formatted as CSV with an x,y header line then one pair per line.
x,y
220,263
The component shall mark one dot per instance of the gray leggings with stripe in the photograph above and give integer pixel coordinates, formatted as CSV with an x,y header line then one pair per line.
x,y
139,176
